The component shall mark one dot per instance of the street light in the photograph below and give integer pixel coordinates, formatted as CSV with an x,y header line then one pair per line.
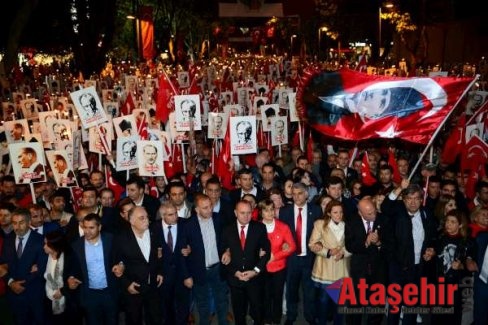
x,y
386,5
321,29
291,43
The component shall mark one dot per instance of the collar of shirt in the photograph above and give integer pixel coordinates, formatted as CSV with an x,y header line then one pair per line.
x,y
239,227
140,202
304,209
165,225
216,207
25,238
254,192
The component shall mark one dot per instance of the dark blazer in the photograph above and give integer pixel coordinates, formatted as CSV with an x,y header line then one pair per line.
x,y
247,259
20,268
235,195
287,215
77,267
152,205
226,214
48,227
366,262
172,261
400,248
194,264
137,269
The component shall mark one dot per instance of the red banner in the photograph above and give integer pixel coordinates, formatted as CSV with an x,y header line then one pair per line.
x,y
147,31
350,105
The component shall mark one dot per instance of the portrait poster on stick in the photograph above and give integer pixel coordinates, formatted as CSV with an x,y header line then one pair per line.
x,y
243,135
217,125
279,131
187,107
62,169
126,153
150,158
28,162
89,107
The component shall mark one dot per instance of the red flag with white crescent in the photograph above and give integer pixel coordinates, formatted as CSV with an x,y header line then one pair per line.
x,y
350,105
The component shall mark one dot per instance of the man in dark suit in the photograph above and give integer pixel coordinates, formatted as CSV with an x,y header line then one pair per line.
x,y
202,270
246,181
24,255
94,282
300,217
250,250
38,224
411,242
135,190
364,235
343,163
222,207
138,248
175,296
335,189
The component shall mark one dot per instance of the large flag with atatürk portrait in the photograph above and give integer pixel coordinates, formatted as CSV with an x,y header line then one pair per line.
x,y
350,105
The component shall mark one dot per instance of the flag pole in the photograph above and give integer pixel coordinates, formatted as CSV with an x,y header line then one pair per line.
x,y
436,132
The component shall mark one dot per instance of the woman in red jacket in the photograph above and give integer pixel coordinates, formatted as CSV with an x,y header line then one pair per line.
x,y
282,246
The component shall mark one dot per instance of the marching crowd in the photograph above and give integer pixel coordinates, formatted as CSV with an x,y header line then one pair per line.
x,y
187,248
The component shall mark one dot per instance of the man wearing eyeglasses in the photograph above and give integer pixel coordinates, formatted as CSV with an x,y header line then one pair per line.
x,y
411,241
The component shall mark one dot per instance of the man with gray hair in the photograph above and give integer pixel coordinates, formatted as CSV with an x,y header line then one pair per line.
x,y
26,260
411,241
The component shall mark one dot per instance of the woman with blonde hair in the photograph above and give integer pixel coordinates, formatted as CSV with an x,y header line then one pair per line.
x,y
332,259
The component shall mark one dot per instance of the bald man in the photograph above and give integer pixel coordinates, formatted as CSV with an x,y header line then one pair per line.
x,y
364,239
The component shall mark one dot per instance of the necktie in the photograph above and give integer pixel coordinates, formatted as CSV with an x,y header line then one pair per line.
x,y
19,247
369,226
298,231
170,239
243,237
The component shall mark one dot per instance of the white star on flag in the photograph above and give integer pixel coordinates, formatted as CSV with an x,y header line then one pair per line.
x,y
389,133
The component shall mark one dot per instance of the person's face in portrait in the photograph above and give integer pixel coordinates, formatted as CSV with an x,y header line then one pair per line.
x,y
374,102
86,103
60,165
25,159
242,133
17,132
218,123
60,131
150,154
186,109
279,127
127,150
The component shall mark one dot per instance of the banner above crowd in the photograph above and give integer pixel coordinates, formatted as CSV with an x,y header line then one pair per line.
x,y
355,106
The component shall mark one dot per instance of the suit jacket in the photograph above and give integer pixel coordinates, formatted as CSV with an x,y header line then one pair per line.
x,y
287,215
20,268
137,269
400,247
247,259
48,227
152,205
366,261
235,195
194,264
172,260
226,213
77,267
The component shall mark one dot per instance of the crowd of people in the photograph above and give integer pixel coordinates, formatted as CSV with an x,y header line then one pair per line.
x,y
186,248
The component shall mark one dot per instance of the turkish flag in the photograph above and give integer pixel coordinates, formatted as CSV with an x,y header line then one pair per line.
x,y
153,189
129,105
397,178
366,177
223,167
351,105
473,158
175,163
165,100
113,184
454,143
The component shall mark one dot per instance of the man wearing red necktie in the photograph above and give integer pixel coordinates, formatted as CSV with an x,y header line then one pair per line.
x,y
249,247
